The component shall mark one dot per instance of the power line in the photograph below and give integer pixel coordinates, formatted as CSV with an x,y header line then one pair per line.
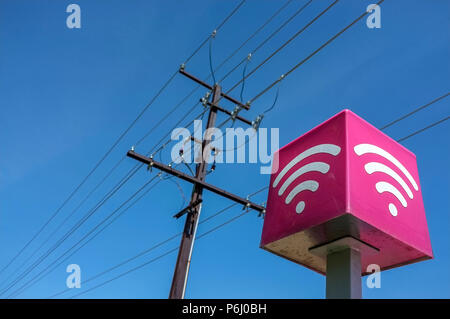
x,y
280,48
217,69
154,259
154,127
228,58
92,171
133,171
423,129
216,29
82,202
83,220
75,227
165,85
66,219
217,227
259,46
285,43
226,208
127,272
230,15
329,41
210,60
311,55
186,61
218,213
203,234
158,244
164,119
90,239
155,246
153,151
88,196
37,278
414,111
254,34
220,65
170,112
209,231
90,232
93,210
141,253
120,264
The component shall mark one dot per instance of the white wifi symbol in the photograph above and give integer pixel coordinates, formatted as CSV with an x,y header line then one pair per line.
x,y
310,185
383,186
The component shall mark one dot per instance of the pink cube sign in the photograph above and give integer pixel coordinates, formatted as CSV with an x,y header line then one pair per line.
x,y
345,178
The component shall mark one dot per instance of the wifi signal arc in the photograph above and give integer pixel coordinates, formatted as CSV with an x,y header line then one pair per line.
x,y
310,185
306,185
311,167
383,186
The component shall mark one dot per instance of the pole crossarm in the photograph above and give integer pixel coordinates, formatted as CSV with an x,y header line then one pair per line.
x,y
209,87
237,117
193,180
192,211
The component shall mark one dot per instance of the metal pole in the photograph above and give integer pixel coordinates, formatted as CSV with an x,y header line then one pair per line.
x,y
344,274
180,276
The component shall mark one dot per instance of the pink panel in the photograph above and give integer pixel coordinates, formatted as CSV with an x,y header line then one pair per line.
x,y
347,166
383,178
321,204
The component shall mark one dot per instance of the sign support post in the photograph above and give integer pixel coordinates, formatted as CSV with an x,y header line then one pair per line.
x,y
343,266
344,274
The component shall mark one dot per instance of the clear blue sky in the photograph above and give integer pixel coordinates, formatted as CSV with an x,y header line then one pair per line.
x,y
66,94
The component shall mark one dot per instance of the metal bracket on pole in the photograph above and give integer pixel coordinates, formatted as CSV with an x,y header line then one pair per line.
x,y
187,209
255,124
234,115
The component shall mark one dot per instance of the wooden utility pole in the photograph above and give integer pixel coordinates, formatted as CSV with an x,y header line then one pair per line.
x,y
180,275
192,211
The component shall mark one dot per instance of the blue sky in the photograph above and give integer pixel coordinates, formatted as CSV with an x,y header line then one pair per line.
x,y
66,94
